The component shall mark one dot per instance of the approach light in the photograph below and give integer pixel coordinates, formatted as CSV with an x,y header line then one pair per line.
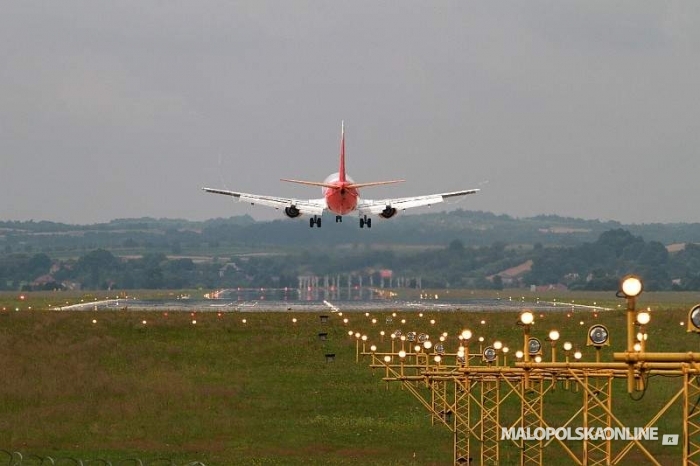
x,y
497,345
568,346
489,354
553,335
402,354
527,318
387,359
631,286
577,355
519,354
427,344
466,334
598,336
643,317
534,346
694,319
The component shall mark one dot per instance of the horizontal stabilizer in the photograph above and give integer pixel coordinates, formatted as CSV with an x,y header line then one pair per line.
x,y
373,183
311,183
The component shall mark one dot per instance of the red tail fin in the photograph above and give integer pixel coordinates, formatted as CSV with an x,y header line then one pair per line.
x,y
341,171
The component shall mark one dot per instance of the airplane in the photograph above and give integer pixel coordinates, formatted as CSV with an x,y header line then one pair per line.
x,y
341,196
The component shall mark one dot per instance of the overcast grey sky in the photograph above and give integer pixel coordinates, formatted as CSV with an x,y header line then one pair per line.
x,y
125,109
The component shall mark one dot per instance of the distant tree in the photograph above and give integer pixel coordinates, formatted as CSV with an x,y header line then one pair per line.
x,y
497,282
97,267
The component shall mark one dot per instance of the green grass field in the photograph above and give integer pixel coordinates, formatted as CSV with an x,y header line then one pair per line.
x,y
225,392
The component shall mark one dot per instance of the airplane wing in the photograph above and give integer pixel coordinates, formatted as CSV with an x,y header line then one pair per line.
x,y
385,206
302,206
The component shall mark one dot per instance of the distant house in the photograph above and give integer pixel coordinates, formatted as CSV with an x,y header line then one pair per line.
x,y
48,282
42,281
550,287
514,274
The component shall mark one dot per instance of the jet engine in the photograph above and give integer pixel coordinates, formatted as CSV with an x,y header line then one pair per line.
x,y
292,211
388,212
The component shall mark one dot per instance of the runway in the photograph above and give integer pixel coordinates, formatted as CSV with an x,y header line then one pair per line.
x,y
323,305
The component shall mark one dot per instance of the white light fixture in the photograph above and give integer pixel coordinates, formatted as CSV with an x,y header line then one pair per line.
x,y
631,286
527,318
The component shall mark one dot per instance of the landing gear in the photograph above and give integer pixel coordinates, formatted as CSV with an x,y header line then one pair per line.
x,y
338,219
365,221
315,221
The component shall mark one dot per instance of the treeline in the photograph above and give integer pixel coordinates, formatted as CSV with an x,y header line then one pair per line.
x,y
454,265
599,265
234,234
594,265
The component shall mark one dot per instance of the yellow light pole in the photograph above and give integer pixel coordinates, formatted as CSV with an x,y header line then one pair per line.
x,y
498,346
552,338
402,357
465,336
598,336
567,349
630,288
387,361
526,320
428,345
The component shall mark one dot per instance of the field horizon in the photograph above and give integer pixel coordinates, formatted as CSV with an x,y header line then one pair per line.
x,y
256,387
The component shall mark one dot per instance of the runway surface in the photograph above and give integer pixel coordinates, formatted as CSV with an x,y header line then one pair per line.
x,y
322,304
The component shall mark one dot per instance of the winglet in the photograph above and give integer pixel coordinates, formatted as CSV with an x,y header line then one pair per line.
x,y
341,170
